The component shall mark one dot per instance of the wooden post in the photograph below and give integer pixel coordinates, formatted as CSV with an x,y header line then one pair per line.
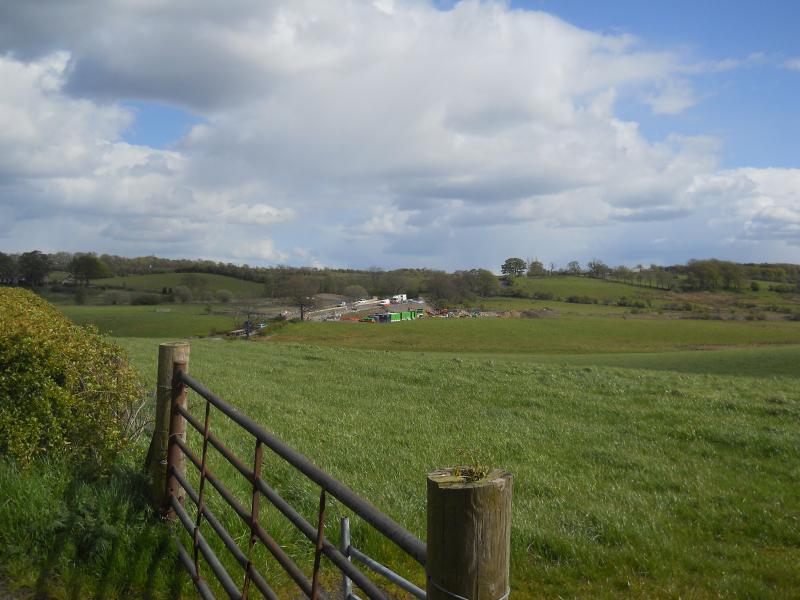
x,y
170,354
469,535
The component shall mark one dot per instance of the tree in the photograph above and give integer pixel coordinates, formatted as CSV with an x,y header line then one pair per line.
x,y
355,292
623,273
195,282
59,261
183,293
34,267
597,268
442,289
513,267
703,274
732,276
224,296
574,267
484,283
536,269
87,266
8,268
301,290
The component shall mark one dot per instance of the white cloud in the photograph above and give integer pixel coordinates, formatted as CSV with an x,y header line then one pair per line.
x,y
674,96
261,251
62,158
348,129
792,63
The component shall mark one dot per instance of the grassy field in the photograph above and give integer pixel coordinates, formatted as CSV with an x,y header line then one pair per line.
x,y
503,303
565,335
653,457
198,281
172,320
761,362
629,482
600,289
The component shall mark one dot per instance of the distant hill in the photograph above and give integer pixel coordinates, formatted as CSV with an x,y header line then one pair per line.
x,y
197,282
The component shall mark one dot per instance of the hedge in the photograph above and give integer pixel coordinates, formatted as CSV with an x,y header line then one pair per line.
x,y
65,390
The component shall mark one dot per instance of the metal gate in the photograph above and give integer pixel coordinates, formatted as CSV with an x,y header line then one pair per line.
x,y
178,488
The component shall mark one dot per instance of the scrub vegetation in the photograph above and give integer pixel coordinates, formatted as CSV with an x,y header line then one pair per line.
x,y
64,390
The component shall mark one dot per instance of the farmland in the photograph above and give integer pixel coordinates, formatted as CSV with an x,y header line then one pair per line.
x,y
566,335
606,291
630,436
628,480
198,281
174,320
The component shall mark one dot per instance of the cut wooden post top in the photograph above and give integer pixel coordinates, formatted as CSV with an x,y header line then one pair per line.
x,y
468,477
177,349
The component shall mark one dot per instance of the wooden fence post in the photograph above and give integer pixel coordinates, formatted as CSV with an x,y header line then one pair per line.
x,y
170,355
469,535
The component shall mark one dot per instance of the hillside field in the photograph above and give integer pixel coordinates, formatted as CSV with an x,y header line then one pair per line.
x,y
628,482
198,281
608,290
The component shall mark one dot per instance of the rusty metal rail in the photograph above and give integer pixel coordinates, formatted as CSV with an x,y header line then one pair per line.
x,y
178,449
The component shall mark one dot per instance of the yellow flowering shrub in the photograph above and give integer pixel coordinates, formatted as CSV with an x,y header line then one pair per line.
x,y
64,389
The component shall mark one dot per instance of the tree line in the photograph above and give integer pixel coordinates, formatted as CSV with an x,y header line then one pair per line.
x,y
709,274
32,269
298,283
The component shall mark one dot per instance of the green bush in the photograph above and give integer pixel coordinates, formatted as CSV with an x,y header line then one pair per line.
x,y
145,299
64,390
224,296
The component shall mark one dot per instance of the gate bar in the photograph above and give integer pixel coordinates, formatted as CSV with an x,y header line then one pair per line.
x,y
226,538
391,529
306,528
202,587
288,565
222,575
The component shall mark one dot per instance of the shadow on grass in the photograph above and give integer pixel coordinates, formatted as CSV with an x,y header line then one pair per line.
x,y
106,542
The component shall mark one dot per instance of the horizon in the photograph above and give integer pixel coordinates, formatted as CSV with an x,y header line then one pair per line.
x,y
550,268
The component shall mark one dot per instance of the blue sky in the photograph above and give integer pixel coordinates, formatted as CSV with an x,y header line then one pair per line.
x,y
157,125
402,133
754,110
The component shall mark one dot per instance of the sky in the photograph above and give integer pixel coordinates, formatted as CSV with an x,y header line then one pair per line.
x,y
416,133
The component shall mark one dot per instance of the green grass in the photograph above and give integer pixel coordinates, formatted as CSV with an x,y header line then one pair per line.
x,y
201,282
601,290
628,482
565,335
761,362
564,286
654,458
70,533
171,320
501,303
